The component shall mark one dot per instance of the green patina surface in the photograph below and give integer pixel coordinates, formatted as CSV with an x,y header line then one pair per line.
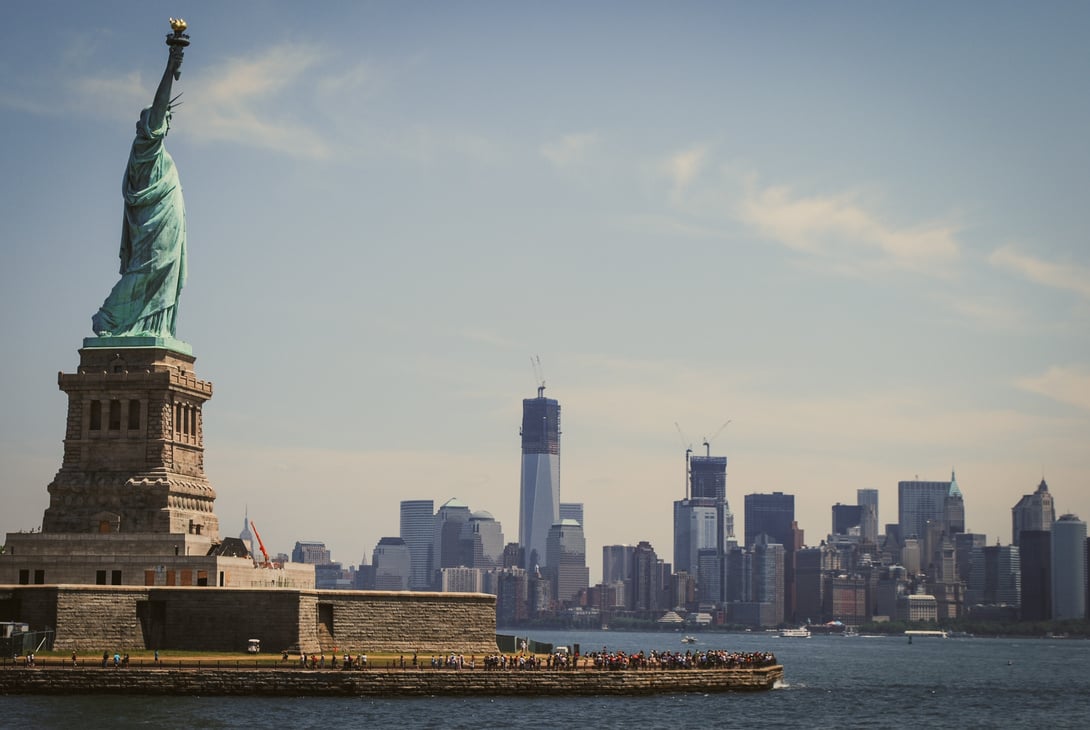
x,y
144,302
128,341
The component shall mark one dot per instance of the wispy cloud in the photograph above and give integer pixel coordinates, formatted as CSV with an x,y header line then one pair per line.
x,y
569,150
683,167
671,226
352,83
840,233
1064,385
987,312
116,97
1068,277
245,102
840,228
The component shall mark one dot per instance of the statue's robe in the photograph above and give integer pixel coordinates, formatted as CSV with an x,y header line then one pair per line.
x,y
153,257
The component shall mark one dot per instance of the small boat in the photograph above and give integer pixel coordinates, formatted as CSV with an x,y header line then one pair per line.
x,y
688,639
850,631
800,633
935,634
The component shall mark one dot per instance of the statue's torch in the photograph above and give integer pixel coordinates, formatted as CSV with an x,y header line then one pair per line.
x,y
177,41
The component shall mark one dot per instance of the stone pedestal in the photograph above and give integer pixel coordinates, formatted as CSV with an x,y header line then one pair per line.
x,y
131,505
133,447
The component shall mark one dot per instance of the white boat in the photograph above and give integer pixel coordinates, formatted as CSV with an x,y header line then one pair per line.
x,y
800,633
926,634
850,631
688,640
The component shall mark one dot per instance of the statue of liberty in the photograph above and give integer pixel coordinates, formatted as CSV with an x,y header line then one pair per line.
x,y
144,302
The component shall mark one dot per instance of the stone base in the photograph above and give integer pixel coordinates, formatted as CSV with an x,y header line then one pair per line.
x,y
377,682
133,447
136,559
120,618
120,502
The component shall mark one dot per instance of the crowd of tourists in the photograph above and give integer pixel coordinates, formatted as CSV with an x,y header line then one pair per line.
x,y
558,660
562,659
714,659
317,661
606,659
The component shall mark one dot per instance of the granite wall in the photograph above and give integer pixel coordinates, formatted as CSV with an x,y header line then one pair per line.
x,y
120,618
408,682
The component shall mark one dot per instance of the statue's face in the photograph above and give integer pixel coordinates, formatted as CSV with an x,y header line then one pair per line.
x,y
145,115
145,120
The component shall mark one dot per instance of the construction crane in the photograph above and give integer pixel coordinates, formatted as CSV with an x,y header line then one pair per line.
x,y
707,441
264,554
539,375
688,452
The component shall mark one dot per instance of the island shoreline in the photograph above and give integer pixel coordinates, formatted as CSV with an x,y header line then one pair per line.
x,y
383,682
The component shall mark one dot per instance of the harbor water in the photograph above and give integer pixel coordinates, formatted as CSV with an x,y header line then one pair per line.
x,y
830,682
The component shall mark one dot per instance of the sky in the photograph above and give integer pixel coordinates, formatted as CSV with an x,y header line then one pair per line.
x,y
857,231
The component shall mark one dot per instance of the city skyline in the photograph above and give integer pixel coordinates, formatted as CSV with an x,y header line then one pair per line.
x,y
856,231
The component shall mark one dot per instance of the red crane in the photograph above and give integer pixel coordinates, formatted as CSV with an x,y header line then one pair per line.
x,y
267,563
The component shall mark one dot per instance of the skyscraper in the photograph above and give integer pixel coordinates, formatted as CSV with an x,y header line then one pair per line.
x,y
1068,568
708,477
1036,568
920,502
391,564
953,509
646,581
417,526
964,543
845,517
1033,512
708,480
567,560
768,576
809,583
311,551
703,524
770,514
696,528
995,575
446,548
867,499
539,494
511,597
616,563
572,511
246,536
774,515
481,541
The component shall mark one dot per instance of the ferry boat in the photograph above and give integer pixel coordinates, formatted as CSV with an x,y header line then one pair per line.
x,y
800,633
927,634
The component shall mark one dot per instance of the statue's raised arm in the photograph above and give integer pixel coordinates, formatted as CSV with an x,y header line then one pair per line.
x,y
161,104
153,237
